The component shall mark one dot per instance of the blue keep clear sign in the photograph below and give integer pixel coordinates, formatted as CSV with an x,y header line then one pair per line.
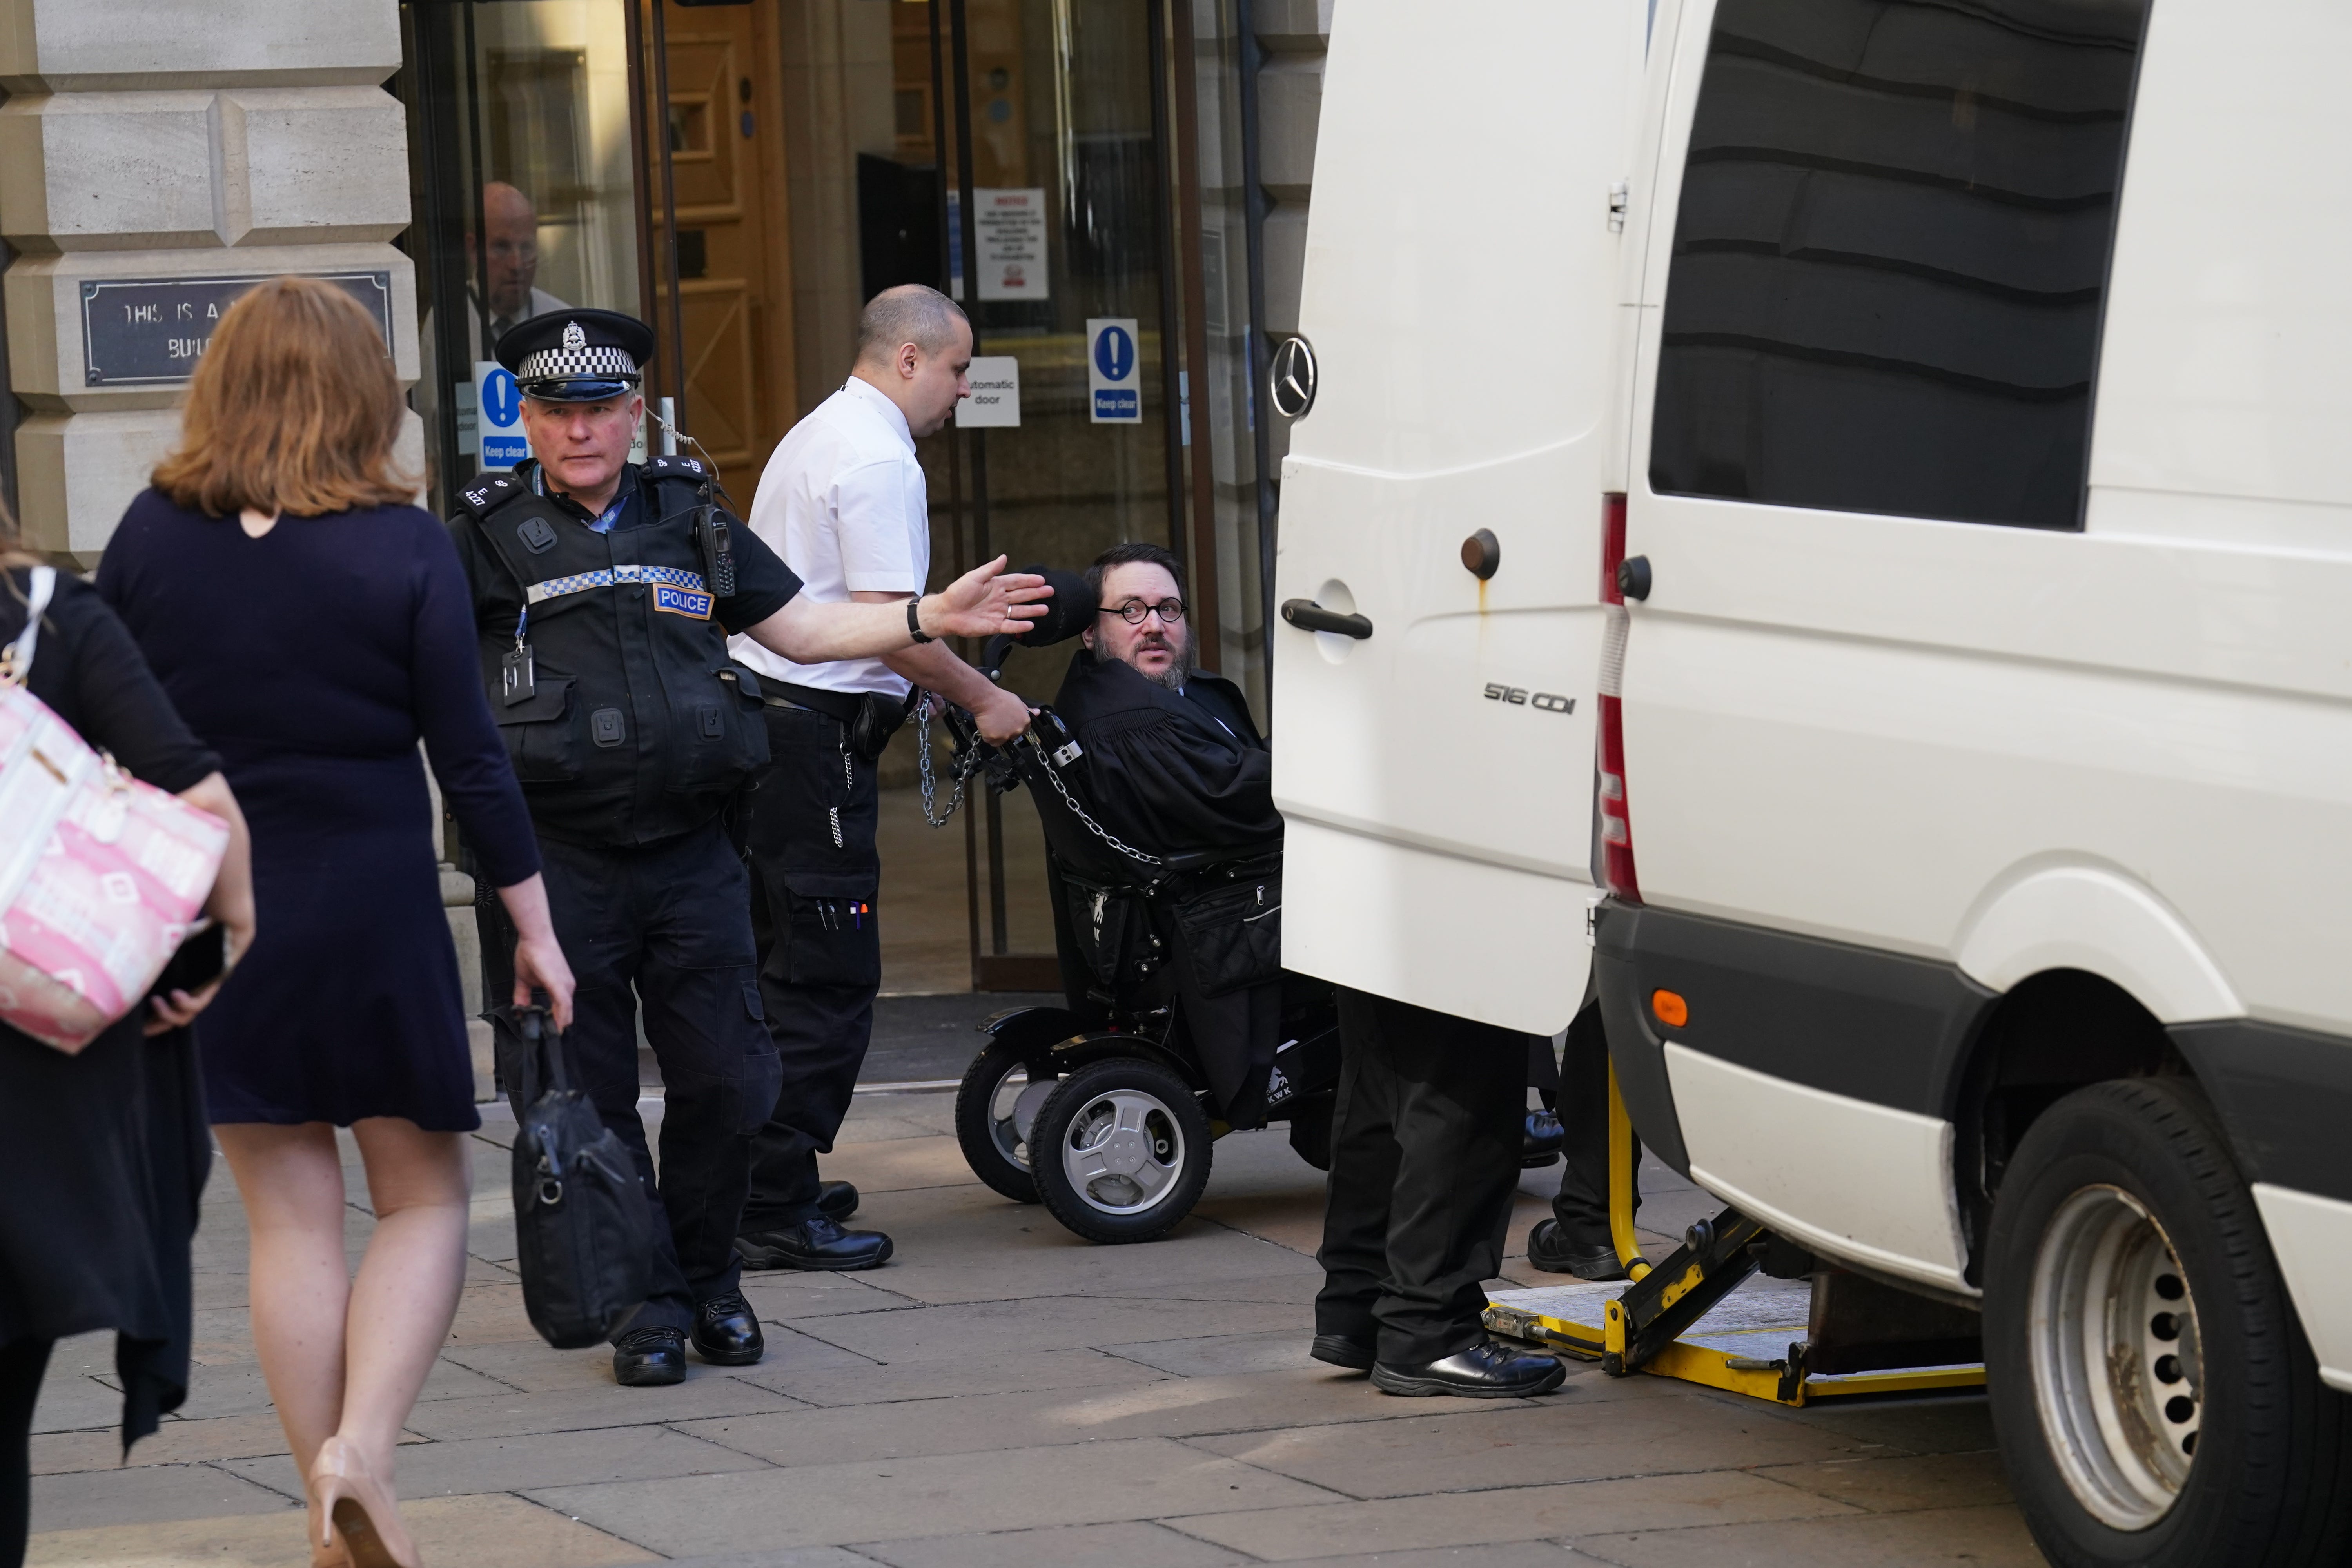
x,y
1113,372
498,414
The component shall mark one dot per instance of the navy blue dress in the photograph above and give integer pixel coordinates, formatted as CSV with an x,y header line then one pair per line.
x,y
312,660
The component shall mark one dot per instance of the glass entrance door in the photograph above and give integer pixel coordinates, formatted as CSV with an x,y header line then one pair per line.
x,y
1057,238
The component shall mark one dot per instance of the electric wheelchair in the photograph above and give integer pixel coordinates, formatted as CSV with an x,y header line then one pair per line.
x,y
1100,1109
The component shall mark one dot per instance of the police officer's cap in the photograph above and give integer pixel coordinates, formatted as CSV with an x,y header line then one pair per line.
x,y
577,356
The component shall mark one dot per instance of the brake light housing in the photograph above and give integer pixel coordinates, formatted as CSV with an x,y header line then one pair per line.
x,y
1613,824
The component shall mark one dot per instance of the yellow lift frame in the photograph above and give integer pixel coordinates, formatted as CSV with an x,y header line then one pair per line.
x,y
1643,1330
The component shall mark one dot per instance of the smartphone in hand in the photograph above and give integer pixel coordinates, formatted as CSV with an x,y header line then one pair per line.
x,y
200,960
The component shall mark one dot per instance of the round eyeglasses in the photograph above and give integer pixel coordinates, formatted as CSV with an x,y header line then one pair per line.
x,y
1133,612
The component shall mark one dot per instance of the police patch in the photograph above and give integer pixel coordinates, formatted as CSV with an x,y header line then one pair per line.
x,y
681,601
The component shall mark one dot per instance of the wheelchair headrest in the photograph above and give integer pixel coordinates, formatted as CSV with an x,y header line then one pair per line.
x,y
1070,611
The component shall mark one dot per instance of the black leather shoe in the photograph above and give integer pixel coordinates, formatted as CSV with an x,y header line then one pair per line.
x,y
1341,1350
1549,1250
727,1333
836,1200
1485,1370
1541,1145
649,1358
813,1244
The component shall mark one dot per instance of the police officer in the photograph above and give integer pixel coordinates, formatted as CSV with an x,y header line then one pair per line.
x,y
604,593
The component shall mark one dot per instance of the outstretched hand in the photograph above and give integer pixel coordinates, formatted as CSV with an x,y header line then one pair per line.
x,y
985,601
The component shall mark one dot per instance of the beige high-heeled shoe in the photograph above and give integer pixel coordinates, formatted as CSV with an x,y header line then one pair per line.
x,y
348,1501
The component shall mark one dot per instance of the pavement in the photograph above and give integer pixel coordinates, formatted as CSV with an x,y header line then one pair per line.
x,y
1004,1393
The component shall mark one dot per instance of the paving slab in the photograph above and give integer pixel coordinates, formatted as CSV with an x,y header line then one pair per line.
x,y
514,1413
1528,1443
1961,1538
951,1494
866,1383
522,1463
1909,1482
476,1532
1524,1513
1509,1554
1075,1546
534,1367
148,1495
990,1328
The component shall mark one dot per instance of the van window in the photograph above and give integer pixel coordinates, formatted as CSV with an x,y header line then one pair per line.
x,y
1895,220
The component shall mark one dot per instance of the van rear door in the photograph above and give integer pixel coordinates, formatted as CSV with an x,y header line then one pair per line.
x,y
1461,297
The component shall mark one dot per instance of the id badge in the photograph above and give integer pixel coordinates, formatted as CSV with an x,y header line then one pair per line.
x,y
515,675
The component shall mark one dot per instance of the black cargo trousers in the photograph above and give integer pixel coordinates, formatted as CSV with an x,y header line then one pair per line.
x,y
805,825
664,925
1426,1139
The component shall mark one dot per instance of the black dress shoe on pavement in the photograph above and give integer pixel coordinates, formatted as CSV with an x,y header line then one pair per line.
x,y
1485,1370
836,1200
649,1358
816,1243
1549,1251
1540,1145
727,1333
1341,1350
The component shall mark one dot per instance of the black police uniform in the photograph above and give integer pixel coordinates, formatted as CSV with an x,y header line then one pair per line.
x,y
604,655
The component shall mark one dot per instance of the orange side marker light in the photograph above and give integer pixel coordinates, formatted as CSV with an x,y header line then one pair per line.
x,y
1670,1009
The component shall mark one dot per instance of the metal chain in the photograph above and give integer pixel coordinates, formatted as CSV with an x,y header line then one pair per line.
x,y
923,766
1054,777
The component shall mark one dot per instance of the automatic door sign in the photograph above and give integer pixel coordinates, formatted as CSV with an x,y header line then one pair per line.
x,y
1113,372
498,415
996,400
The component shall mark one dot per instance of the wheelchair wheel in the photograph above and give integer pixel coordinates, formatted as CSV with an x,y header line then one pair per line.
x,y
993,1103
1122,1150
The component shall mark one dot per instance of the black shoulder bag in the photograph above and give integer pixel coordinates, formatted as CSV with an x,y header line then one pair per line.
x,y
583,1230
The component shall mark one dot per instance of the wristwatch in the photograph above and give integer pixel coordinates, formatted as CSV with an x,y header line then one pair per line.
x,y
915,622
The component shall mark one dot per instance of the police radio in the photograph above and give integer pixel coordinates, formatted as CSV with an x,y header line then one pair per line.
x,y
712,534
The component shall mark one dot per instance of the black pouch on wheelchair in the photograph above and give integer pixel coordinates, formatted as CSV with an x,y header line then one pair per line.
x,y
1232,932
879,718
1110,925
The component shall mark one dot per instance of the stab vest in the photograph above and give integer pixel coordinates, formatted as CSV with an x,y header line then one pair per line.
x,y
633,726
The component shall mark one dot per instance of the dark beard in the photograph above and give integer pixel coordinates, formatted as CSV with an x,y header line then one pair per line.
x,y
1180,671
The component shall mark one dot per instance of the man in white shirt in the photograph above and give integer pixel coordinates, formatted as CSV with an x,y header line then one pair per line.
x,y
844,502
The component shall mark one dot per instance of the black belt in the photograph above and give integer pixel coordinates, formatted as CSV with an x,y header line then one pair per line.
x,y
836,705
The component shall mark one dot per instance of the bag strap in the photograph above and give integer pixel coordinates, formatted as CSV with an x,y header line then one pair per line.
x,y
16,658
541,1046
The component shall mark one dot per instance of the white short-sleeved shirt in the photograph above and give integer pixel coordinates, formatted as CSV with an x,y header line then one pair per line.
x,y
842,501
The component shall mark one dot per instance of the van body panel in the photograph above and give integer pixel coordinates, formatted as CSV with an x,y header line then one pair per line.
x,y
2284,1097
1857,1181
2100,919
2223,371
2311,1236
1469,380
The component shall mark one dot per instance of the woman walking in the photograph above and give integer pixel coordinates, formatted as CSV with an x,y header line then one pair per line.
x,y
312,625
103,1153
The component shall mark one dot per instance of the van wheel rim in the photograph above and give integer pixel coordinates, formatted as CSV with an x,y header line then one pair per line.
x,y
1004,1120
2118,1371
1123,1152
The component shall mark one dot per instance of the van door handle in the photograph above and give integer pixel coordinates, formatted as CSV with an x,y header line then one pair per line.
x,y
1309,616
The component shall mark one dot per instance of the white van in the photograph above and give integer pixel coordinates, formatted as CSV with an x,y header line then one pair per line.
x,y
1960,392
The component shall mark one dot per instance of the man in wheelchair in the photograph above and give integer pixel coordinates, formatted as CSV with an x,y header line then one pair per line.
x,y
1155,791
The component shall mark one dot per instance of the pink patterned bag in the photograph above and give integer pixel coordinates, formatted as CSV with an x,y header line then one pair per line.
x,y
99,874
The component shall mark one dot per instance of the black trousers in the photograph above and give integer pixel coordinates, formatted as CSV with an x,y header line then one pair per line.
x,y
22,1362
666,925
1425,1141
1581,1205
805,823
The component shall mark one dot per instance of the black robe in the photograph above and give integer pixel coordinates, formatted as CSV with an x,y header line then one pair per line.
x,y
1169,773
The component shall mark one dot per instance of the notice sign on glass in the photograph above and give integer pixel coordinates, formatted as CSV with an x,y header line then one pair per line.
x,y
151,331
1011,227
996,400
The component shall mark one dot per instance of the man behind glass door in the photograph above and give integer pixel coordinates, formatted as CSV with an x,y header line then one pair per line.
x,y
843,500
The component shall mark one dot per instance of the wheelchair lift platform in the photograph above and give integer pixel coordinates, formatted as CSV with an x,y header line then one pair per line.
x,y
1707,1314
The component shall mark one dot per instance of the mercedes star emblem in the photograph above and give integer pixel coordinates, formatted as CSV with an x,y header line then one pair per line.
x,y
1293,378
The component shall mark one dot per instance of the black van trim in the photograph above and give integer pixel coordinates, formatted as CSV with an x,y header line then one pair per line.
x,y
1893,1030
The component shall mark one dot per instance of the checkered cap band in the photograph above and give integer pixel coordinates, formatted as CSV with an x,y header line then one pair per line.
x,y
600,362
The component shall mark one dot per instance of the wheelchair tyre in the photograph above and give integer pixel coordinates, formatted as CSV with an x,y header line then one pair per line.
x,y
992,1143
1122,1150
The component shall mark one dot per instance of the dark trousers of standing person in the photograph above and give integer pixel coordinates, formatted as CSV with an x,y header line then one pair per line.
x,y
806,825
1581,1205
22,1362
1425,1137
666,924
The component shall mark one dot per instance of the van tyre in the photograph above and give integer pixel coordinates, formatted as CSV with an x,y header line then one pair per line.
x,y
985,1126
2154,1396
1122,1151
